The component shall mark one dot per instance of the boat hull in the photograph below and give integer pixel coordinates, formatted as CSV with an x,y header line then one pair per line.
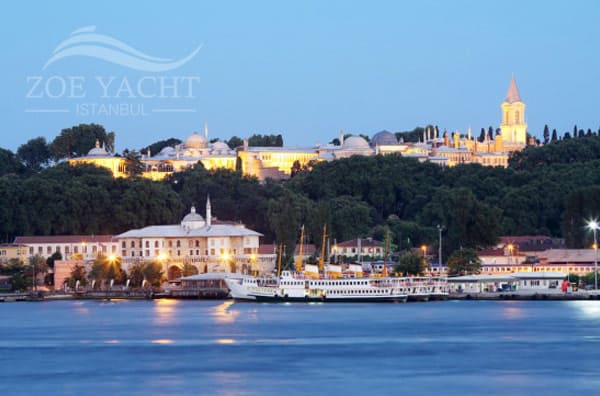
x,y
284,299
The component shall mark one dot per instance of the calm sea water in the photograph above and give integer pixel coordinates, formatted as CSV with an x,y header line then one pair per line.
x,y
169,347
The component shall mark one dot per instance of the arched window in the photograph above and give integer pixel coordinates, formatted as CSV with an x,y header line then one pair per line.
x,y
506,117
517,117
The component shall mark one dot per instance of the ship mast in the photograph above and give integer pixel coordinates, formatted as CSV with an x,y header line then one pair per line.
x,y
322,259
280,251
299,261
384,273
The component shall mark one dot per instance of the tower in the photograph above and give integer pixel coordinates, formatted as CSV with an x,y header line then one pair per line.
x,y
208,212
513,127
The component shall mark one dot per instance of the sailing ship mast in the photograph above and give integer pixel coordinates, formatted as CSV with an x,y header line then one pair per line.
x,y
322,259
384,272
299,261
280,251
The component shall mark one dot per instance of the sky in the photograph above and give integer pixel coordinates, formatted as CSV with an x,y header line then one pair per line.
x,y
305,69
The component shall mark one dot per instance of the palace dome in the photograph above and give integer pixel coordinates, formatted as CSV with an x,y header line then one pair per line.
x,y
98,151
220,146
192,220
355,143
195,141
384,138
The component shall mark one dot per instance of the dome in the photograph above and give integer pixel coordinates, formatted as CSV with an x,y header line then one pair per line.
x,y
195,141
355,143
192,220
384,138
167,150
97,151
220,146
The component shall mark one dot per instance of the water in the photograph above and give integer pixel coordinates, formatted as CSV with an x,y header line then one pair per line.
x,y
169,347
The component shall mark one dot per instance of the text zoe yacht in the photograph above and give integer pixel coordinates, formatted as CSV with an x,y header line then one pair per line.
x,y
292,287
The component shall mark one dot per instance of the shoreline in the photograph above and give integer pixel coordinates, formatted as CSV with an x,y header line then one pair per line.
x,y
512,296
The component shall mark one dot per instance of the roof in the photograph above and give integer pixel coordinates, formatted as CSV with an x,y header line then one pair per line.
x,y
513,92
508,277
176,231
568,255
363,243
26,240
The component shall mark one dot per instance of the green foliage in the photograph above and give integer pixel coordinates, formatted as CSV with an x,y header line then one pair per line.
x,y
157,146
188,269
54,257
153,273
266,140
78,140
582,206
464,262
78,273
410,264
234,142
104,269
35,154
9,163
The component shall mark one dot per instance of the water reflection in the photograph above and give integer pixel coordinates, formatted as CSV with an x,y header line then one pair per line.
x,y
164,310
587,309
222,314
80,309
226,341
162,341
512,313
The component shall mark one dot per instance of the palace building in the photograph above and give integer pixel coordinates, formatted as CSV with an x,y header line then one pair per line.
x,y
447,149
205,243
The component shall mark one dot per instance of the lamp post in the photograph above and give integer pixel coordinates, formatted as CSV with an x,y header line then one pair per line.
x,y
440,229
593,225
510,253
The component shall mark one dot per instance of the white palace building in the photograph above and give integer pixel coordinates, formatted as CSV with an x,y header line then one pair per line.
x,y
205,243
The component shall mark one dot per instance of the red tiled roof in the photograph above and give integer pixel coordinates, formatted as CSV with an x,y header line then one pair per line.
x,y
363,243
63,239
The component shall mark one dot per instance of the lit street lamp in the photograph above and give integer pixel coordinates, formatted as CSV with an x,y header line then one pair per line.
x,y
593,225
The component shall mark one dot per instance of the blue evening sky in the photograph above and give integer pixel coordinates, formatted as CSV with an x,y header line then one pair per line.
x,y
307,69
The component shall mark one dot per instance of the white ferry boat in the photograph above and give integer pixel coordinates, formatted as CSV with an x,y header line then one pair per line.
x,y
296,287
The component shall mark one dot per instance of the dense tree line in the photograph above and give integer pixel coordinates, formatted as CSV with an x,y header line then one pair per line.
x,y
548,190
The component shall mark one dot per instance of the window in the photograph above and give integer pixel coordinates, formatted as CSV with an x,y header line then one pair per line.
x,y
147,244
40,250
178,243
132,244
155,244
197,243
123,253
123,244
147,253
517,117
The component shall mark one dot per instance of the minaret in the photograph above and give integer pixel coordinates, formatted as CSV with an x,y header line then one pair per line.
x,y
513,127
208,211
206,130
341,137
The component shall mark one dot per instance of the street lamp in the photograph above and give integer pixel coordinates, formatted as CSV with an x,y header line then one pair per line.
x,y
510,253
440,229
593,225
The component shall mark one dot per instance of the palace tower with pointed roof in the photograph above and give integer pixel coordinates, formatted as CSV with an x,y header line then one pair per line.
x,y
513,127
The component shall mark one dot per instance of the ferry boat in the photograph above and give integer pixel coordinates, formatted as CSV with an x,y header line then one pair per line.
x,y
296,287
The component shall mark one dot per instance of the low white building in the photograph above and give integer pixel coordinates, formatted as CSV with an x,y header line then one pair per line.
x,y
519,281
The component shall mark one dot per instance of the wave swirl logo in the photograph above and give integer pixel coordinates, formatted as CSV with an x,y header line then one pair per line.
x,y
86,42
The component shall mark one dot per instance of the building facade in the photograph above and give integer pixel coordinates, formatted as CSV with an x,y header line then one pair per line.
x,y
204,243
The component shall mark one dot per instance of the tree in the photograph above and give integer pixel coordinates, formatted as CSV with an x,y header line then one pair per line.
x,y
35,154
464,262
410,264
157,146
153,273
9,163
133,164
234,142
136,274
37,266
78,274
188,269
490,133
78,140
54,257
546,134
554,136
481,138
